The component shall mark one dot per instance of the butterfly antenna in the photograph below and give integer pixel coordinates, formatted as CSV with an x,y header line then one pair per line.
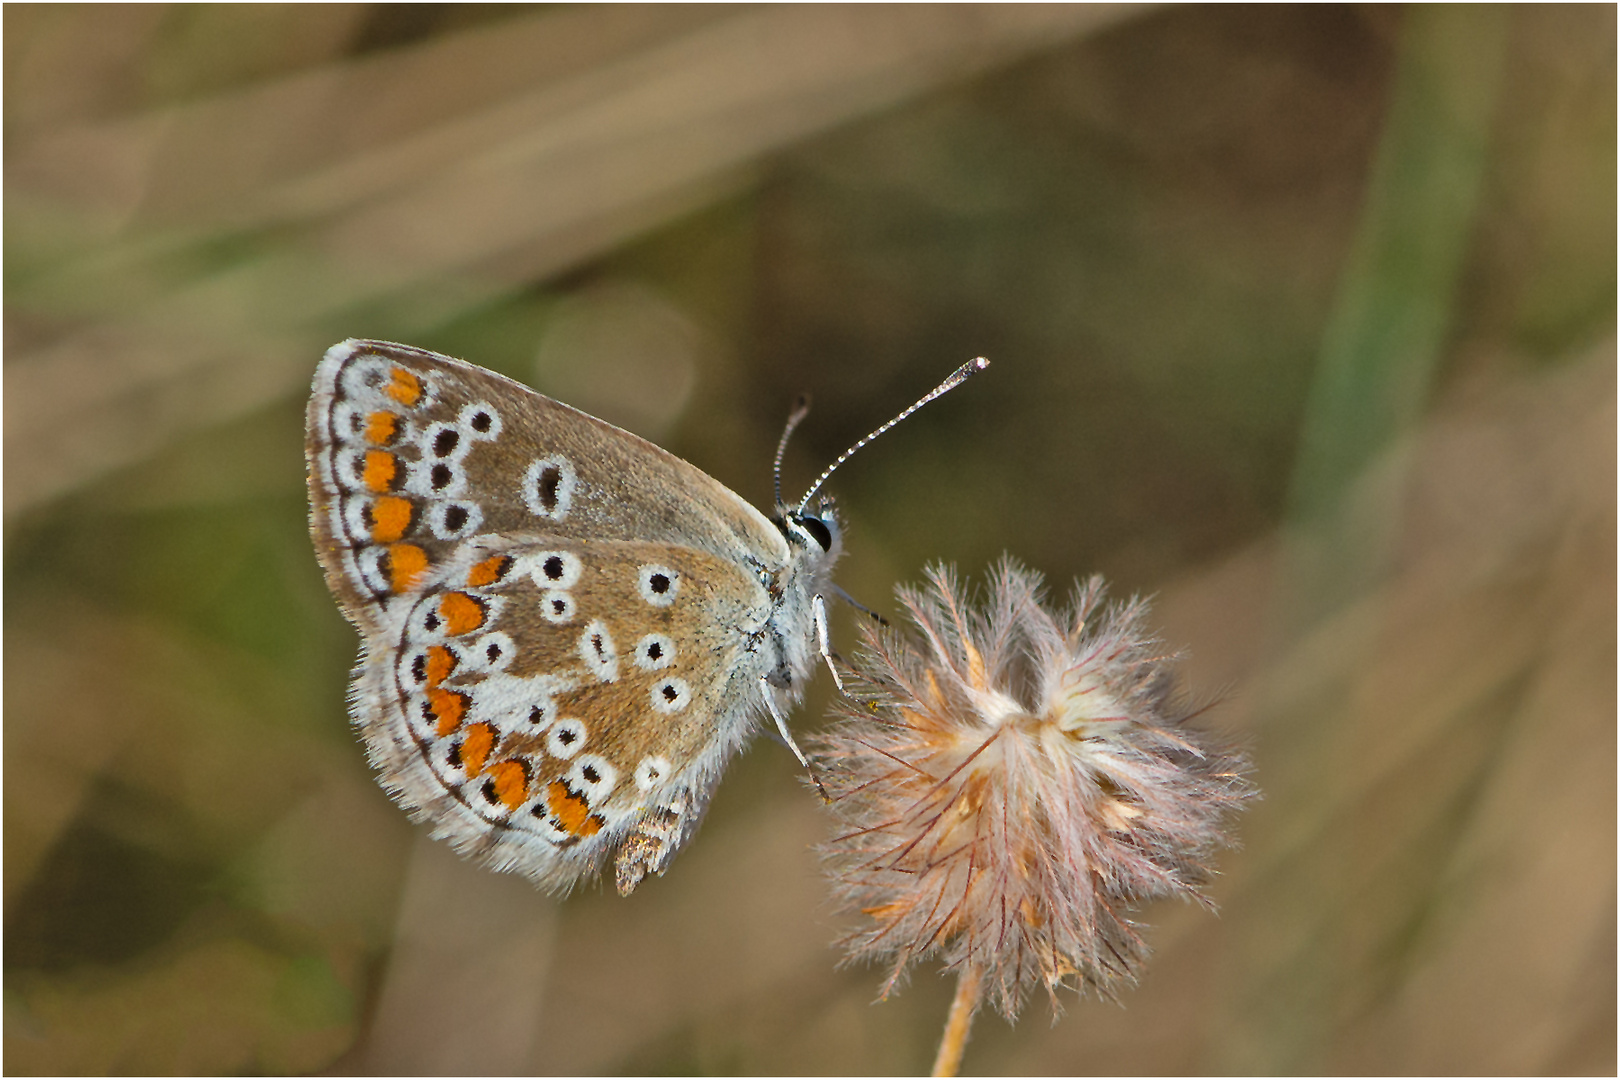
x,y
800,411
958,377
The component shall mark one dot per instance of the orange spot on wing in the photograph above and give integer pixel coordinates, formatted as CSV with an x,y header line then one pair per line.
x,y
404,387
475,748
511,782
440,663
406,565
448,707
381,427
572,811
390,517
381,468
461,613
489,571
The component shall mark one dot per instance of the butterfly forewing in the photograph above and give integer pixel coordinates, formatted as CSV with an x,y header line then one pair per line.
x,y
411,453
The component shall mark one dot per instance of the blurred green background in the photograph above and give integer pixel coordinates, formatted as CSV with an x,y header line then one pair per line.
x,y
1301,319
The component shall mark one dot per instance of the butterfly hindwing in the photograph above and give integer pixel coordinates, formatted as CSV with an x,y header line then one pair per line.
x,y
548,695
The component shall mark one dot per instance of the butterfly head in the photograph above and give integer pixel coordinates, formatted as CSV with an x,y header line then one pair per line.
x,y
813,527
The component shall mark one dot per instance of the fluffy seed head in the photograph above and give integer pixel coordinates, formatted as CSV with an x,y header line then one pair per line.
x,y
1011,782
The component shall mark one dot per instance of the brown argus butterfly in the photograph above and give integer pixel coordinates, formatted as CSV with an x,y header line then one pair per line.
x,y
566,631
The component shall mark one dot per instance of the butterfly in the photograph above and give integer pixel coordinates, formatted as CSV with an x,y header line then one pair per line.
x,y
566,632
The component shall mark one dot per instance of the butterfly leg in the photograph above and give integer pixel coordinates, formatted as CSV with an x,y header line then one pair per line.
x,y
781,721
824,642
782,728
856,604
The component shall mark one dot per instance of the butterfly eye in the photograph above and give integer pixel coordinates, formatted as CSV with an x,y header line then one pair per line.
x,y
818,530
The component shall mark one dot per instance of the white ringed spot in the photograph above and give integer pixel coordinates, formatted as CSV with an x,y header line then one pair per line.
x,y
566,738
653,652
454,520
555,569
597,650
671,695
657,584
593,777
492,652
444,442
365,378
479,421
557,606
436,479
651,771
548,487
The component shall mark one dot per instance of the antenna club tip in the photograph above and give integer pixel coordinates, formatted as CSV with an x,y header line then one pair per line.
x,y
961,375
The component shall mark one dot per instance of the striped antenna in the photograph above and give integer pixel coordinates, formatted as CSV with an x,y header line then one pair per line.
x,y
958,377
799,412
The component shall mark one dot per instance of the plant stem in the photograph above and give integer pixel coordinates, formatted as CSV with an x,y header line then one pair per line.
x,y
963,1006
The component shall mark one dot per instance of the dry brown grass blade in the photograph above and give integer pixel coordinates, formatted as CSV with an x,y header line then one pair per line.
x,y
430,212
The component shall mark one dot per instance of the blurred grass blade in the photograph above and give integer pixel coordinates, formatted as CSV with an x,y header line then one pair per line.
x,y
1394,308
424,220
